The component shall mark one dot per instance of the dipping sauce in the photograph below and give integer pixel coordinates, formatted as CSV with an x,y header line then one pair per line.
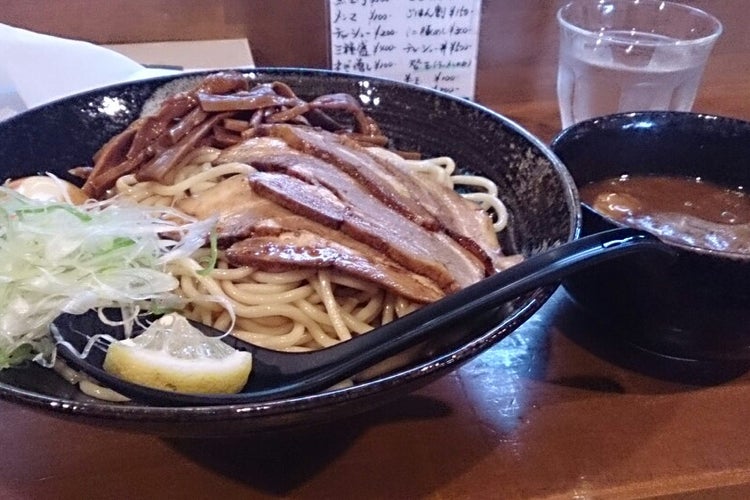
x,y
686,211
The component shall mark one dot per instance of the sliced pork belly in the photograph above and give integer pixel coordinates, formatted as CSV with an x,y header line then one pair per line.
x,y
303,249
385,231
365,218
478,237
354,161
245,216
253,149
313,201
427,203
463,220
265,203
290,190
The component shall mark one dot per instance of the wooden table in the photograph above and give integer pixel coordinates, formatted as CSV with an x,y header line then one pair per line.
x,y
554,411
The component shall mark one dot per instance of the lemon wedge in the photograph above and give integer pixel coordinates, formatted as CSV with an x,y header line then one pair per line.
x,y
173,355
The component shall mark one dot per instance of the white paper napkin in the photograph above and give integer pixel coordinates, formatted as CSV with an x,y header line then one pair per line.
x,y
37,68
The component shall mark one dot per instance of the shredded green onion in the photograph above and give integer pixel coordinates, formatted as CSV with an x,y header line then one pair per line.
x,y
214,255
56,257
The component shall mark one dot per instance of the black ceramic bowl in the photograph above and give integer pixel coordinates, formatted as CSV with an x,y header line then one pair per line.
x,y
536,187
696,306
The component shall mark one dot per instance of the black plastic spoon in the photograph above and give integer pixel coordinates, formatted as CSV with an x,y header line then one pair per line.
x,y
278,375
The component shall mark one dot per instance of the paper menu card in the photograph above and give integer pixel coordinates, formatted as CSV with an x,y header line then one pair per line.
x,y
433,43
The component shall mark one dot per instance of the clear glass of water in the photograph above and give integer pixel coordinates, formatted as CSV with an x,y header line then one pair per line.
x,y
630,55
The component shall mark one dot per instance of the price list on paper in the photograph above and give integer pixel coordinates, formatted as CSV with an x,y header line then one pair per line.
x,y
432,43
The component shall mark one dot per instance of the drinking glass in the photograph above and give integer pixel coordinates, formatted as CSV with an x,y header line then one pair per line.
x,y
630,55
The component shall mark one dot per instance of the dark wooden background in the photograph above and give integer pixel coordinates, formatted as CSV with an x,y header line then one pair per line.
x,y
518,34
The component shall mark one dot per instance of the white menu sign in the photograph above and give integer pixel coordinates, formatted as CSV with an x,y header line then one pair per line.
x,y
426,42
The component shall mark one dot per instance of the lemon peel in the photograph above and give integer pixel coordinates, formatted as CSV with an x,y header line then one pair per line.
x,y
172,355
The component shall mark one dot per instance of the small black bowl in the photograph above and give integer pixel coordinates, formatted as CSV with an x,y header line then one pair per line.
x,y
696,306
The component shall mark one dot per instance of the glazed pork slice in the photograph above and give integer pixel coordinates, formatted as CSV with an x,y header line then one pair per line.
x,y
367,219
238,209
389,187
464,221
252,150
265,203
385,231
247,216
295,249
269,154
434,206
242,212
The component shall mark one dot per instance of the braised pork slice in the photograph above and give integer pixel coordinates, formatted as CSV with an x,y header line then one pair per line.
x,y
434,206
478,237
315,202
308,250
390,188
252,150
264,203
385,231
244,215
462,219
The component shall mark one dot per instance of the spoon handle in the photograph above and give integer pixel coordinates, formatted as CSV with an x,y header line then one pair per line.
x,y
315,371
544,269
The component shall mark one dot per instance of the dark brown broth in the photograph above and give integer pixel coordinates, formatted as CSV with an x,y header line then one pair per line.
x,y
688,211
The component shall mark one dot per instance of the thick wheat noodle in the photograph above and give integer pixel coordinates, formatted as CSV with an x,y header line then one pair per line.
x,y
284,341
279,293
277,308
283,327
289,337
204,312
197,296
236,273
292,337
292,312
364,286
260,288
370,311
343,322
265,288
283,277
441,170
322,286
129,186
256,298
324,319
389,309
